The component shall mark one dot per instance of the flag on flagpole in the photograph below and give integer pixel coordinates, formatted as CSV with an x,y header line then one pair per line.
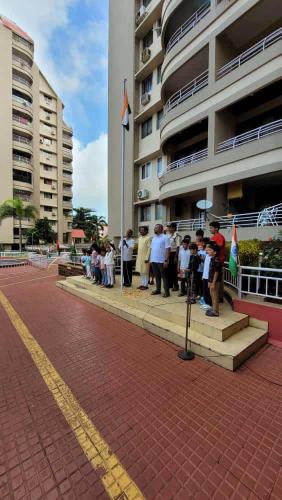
x,y
125,110
233,259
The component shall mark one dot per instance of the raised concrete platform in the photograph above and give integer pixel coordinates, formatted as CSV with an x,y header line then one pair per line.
x,y
227,341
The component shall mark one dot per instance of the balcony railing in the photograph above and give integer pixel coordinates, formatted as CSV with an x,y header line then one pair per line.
x,y
23,101
249,53
21,40
187,160
22,197
22,62
187,91
252,135
22,120
67,151
20,138
188,25
23,159
19,79
270,216
68,176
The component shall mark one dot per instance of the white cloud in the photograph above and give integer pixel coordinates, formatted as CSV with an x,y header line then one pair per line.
x,y
90,174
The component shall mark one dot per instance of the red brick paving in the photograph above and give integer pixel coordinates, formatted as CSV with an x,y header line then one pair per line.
x,y
182,430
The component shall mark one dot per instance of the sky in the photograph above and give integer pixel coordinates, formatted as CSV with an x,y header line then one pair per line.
x,y
70,38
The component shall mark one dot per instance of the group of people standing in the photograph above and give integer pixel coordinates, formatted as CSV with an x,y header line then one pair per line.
x,y
171,262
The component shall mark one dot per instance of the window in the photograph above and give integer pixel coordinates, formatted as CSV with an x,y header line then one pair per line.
x,y
66,199
48,182
147,84
148,40
160,115
48,196
146,171
146,128
48,168
47,99
146,2
48,209
48,115
159,74
159,27
158,211
145,213
22,176
159,166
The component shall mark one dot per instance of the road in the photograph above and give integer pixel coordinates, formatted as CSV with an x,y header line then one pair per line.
x,y
93,407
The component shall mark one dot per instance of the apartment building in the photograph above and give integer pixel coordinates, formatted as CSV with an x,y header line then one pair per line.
x,y
204,81
35,142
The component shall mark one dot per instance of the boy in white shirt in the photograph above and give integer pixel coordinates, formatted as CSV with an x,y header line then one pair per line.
x,y
183,266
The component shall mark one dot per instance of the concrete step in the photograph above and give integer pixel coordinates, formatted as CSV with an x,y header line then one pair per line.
x,y
229,354
174,309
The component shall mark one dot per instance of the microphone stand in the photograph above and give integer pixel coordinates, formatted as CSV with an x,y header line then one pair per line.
x,y
187,355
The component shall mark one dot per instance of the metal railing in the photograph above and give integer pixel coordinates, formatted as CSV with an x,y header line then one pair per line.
x,y
67,151
21,80
68,176
187,91
23,101
22,62
261,281
270,216
21,40
22,120
20,138
23,159
251,135
249,53
187,160
188,25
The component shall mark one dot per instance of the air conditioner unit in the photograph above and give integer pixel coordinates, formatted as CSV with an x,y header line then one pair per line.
x,y
47,117
53,132
24,103
145,98
54,188
41,141
142,194
54,214
47,158
146,54
141,14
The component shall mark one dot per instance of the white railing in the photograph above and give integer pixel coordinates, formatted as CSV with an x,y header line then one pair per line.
x,y
19,138
251,135
22,80
68,176
22,197
22,120
187,160
67,151
21,158
187,91
21,40
270,216
188,25
22,101
249,53
261,281
22,62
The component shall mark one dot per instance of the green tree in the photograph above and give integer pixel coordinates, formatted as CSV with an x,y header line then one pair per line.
x,y
16,208
86,219
42,231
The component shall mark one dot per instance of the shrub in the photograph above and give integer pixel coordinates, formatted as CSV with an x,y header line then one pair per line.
x,y
248,252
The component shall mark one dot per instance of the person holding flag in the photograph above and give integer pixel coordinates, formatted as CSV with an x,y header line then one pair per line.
x,y
233,259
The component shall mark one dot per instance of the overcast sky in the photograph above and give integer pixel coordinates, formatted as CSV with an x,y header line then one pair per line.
x,y
70,38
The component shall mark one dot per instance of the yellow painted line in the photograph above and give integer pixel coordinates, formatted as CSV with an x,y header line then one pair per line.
x,y
115,479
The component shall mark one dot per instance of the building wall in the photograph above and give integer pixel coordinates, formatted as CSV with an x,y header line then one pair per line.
x,y
47,135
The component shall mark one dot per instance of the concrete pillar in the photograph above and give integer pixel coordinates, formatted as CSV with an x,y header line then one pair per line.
x,y
212,61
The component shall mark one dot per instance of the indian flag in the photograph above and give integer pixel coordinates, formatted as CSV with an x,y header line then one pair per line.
x,y
125,110
233,259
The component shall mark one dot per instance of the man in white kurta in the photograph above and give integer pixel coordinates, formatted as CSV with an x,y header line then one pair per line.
x,y
143,255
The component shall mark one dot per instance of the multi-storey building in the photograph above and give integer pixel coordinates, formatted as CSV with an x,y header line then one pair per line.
x,y
35,142
204,81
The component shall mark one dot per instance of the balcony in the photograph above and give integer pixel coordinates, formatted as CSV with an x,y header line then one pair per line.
x,y
248,54
186,161
21,176
67,139
23,123
22,142
23,45
22,104
189,24
67,204
23,84
187,91
23,64
67,153
252,135
146,15
21,159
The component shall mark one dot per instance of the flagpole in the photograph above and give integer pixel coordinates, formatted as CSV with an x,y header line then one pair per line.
x,y
122,196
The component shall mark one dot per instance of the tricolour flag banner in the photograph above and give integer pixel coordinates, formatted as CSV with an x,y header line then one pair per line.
x,y
233,259
125,110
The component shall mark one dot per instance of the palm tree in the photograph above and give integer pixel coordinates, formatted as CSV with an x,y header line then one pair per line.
x,y
16,208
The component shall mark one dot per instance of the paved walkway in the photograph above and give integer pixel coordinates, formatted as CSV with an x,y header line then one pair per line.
x,y
154,427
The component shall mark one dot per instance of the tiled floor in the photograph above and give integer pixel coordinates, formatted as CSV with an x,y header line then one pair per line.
x,y
181,430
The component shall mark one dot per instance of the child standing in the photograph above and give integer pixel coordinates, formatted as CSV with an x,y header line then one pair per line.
x,y
215,277
103,268
110,262
183,266
199,274
88,264
207,302
193,267
97,271
83,262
